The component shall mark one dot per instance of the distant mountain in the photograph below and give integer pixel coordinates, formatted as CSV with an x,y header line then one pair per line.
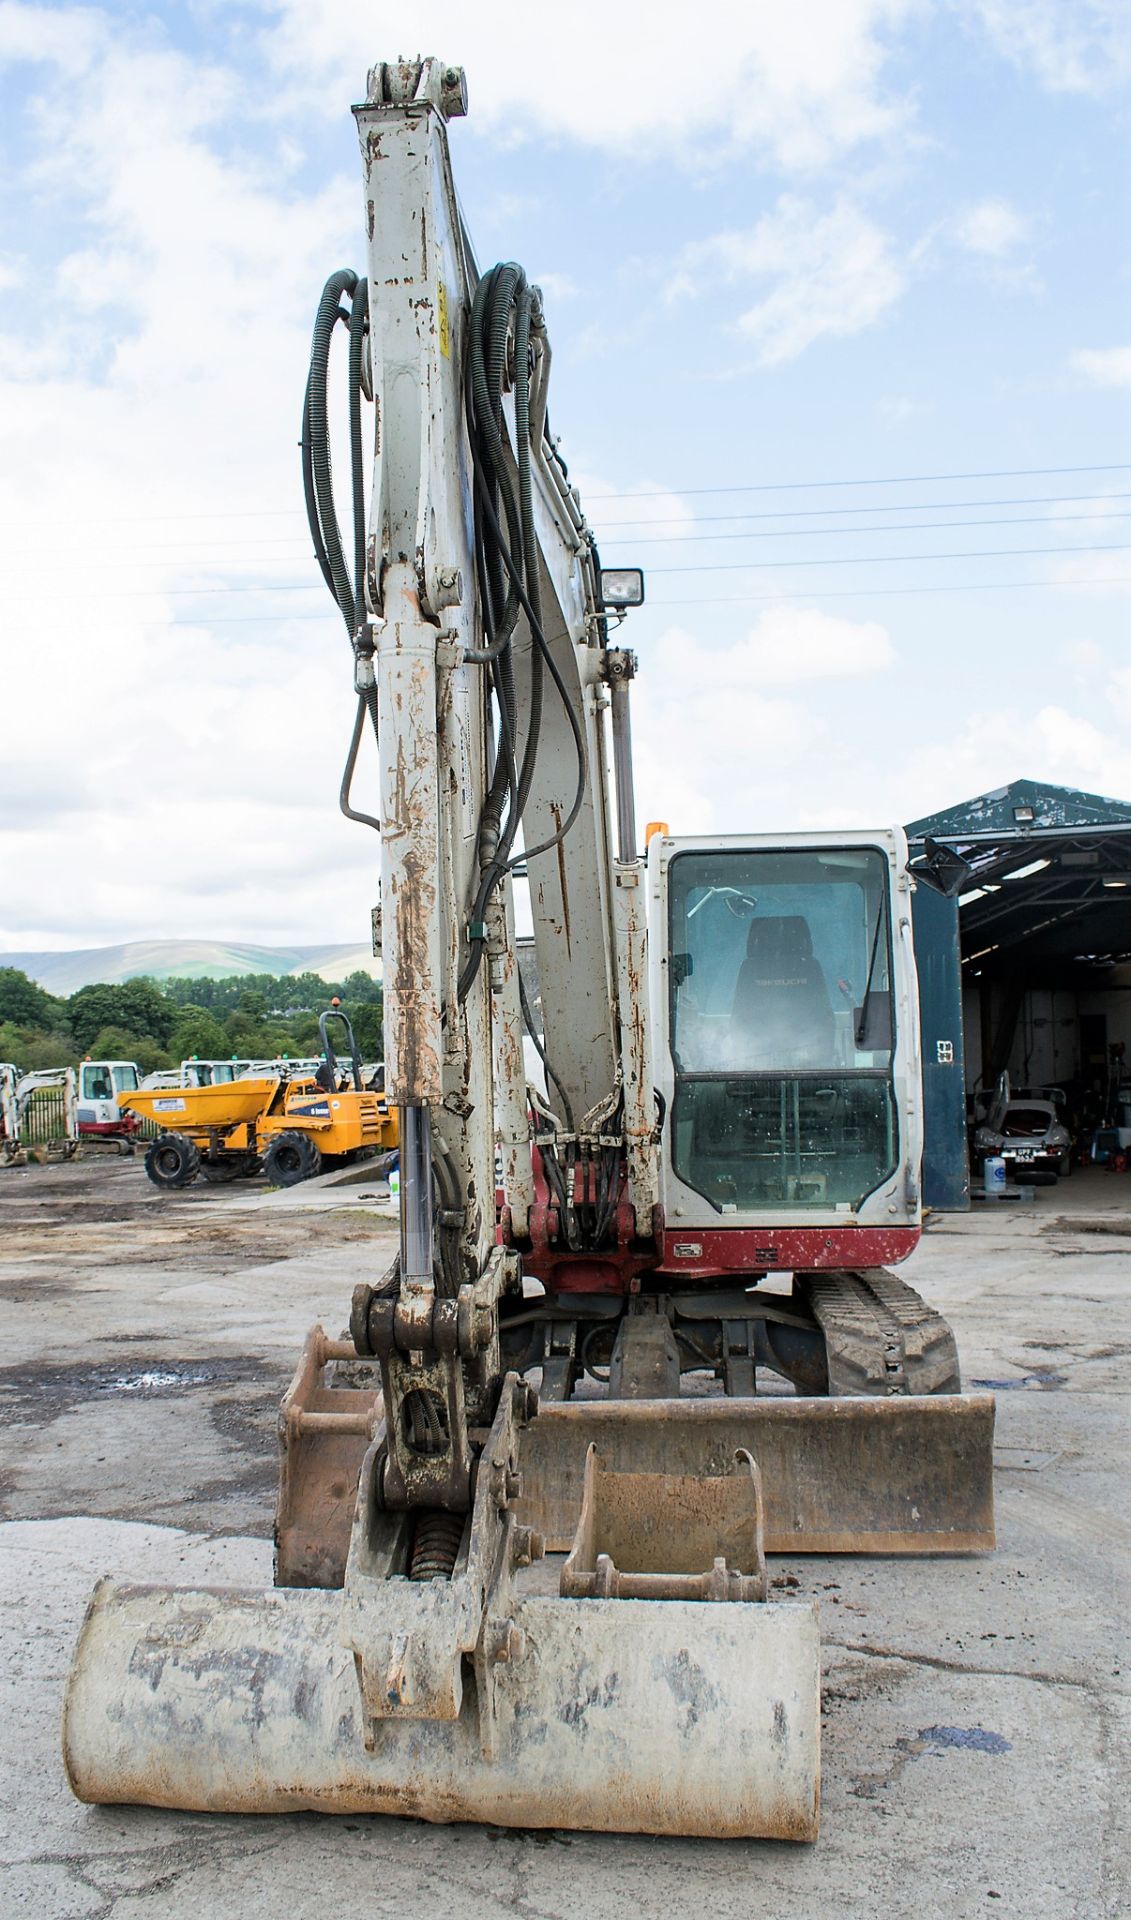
x,y
65,973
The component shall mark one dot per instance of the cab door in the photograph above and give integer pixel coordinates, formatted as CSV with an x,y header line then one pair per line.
x,y
97,1106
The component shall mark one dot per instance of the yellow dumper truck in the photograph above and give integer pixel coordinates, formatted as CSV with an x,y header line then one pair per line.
x,y
289,1127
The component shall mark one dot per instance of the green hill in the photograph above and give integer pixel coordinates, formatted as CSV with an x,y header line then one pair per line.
x,y
65,973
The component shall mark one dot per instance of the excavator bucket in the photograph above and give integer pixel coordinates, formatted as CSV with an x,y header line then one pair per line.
x,y
644,1684
482,1696
623,1715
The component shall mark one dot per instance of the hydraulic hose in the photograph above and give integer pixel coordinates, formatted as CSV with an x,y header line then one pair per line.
x,y
507,565
348,589
505,340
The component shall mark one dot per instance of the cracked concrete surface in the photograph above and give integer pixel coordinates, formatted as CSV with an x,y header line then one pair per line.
x,y
976,1719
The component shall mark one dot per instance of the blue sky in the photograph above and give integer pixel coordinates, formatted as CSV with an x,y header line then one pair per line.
x,y
839,242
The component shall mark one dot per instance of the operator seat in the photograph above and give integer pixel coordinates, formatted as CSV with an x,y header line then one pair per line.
x,y
782,1015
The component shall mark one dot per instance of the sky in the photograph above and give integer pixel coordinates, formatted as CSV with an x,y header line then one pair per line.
x,y
839,300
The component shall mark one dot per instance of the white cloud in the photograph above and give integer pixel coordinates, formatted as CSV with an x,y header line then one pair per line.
x,y
833,274
710,753
1104,366
1072,46
716,750
556,286
1013,741
991,228
1096,573
1085,655
992,233
64,38
149,450
791,644
148,439
899,409
1119,694
802,82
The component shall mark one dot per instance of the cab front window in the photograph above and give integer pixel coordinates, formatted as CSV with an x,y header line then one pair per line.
x,y
782,1026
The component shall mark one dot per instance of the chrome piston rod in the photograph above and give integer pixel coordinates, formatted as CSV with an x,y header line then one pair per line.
x,y
416,1194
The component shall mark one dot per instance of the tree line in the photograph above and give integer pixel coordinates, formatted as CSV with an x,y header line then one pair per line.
x,y
161,1023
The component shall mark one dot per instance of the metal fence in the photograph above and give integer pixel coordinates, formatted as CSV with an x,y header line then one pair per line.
x,y
46,1117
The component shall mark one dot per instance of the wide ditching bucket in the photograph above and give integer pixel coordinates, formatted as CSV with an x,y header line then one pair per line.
x,y
483,1696
644,1684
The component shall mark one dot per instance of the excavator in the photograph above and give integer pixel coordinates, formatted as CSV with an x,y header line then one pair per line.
x,y
642,1326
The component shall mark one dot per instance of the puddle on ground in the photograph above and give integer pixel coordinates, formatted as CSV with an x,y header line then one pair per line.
x,y
157,1380
970,1739
37,1393
1027,1380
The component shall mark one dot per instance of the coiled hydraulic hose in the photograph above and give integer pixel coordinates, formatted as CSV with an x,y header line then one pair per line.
x,y
318,489
505,309
507,570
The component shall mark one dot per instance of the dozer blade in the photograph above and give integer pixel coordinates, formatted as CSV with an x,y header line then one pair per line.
x,y
625,1715
905,1475
901,1474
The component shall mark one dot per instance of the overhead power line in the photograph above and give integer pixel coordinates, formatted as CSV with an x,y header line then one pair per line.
x,y
298,550
730,599
699,566
831,513
880,559
904,526
883,559
650,493
297,547
881,593
885,480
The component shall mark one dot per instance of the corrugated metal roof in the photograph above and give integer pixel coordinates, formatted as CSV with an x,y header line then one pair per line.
x,y
1049,808
1049,890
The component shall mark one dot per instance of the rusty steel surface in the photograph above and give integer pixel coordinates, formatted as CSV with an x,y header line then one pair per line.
x,y
323,1434
906,1475
903,1475
410,856
417,1642
623,1716
666,1536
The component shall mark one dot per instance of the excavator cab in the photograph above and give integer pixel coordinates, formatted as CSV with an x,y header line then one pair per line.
x,y
784,998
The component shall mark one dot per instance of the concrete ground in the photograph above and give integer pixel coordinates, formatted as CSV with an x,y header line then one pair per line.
x,y
976,1725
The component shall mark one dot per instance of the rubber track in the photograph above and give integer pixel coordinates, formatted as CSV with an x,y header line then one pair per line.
x,y
880,1336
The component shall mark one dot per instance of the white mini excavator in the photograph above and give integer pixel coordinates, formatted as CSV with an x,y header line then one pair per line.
x,y
549,1608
